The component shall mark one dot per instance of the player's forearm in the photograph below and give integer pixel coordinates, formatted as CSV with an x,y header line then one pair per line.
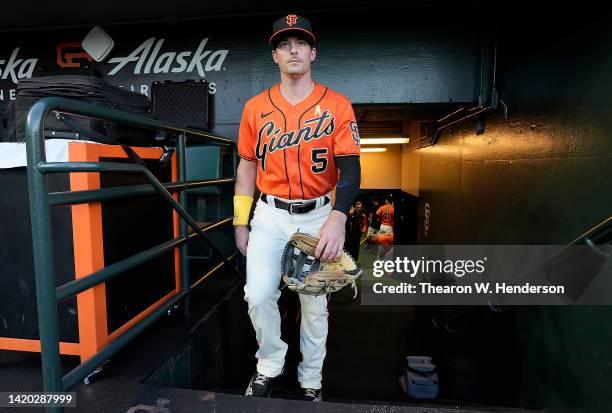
x,y
245,178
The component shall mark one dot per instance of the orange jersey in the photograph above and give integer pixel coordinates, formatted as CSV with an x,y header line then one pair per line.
x,y
295,145
386,214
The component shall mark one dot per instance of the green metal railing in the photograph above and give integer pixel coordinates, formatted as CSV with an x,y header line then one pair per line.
x,y
41,200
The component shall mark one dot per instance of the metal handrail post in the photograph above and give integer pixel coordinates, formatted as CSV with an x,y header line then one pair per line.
x,y
42,252
181,154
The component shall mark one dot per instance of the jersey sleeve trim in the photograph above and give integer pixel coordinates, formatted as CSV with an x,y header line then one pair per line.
x,y
247,158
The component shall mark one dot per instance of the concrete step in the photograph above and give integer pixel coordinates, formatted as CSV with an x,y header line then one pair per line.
x,y
335,404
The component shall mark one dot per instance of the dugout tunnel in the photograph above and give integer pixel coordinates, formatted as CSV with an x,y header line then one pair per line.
x,y
507,112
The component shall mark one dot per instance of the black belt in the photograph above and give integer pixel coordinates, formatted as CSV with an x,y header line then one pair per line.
x,y
299,207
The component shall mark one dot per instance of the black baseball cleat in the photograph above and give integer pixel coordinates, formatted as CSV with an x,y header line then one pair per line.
x,y
312,395
260,385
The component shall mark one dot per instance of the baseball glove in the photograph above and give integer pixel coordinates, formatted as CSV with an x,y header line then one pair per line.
x,y
305,274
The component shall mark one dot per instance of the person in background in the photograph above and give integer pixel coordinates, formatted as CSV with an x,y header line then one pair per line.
x,y
385,213
384,240
373,219
356,226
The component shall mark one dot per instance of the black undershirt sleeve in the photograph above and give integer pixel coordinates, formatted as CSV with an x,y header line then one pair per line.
x,y
348,183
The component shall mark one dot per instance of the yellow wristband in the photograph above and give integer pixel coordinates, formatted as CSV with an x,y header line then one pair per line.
x,y
242,209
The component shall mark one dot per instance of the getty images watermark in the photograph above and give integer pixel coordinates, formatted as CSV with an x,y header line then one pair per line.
x,y
493,274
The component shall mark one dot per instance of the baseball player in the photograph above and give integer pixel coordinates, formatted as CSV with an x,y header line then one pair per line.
x,y
385,245
385,213
295,140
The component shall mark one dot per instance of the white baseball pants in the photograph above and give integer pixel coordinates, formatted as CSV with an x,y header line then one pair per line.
x,y
271,228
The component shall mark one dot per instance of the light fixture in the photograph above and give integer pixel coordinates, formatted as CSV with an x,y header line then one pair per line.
x,y
98,44
373,149
383,141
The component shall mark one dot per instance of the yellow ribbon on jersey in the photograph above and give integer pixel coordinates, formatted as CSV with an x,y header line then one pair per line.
x,y
242,209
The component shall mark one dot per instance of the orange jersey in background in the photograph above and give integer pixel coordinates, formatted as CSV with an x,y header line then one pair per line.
x,y
385,212
295,145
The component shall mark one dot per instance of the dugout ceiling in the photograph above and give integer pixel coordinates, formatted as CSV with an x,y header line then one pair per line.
x,y
43,13
380,60
397,54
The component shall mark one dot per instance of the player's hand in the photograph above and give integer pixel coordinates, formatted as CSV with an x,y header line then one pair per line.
x,y
242,238
331,237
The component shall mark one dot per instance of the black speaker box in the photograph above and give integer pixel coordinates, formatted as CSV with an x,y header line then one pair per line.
x,y
184,104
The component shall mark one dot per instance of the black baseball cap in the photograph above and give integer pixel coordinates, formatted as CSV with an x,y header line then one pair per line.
x,y
294,24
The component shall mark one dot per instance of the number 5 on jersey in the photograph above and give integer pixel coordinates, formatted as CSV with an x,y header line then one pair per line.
x,y
319,160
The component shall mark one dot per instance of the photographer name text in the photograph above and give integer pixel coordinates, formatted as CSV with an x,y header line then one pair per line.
x,y
476,288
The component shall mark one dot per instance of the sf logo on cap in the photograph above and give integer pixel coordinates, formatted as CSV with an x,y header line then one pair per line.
x,y
291,19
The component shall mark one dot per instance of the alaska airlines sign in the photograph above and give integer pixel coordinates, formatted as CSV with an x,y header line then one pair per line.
x,y
147,59
146,56
16,68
